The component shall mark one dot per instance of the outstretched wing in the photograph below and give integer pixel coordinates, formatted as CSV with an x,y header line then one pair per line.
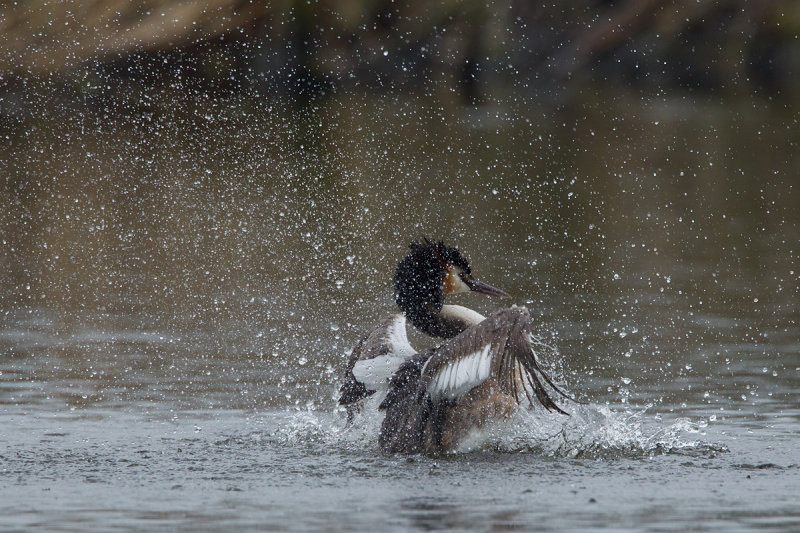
x,y
374,359
429,405
499,348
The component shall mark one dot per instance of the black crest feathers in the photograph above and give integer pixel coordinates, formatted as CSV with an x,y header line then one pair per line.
x,y
418,287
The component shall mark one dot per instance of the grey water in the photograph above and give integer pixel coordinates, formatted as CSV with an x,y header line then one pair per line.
x,y
179,290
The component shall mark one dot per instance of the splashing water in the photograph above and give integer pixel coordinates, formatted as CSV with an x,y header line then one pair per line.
x,y
590,432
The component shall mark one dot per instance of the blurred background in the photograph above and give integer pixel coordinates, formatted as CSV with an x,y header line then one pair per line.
x,y
202,205
203,202
471,51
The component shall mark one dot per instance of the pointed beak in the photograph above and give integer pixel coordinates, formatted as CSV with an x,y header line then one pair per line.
x,y
484,288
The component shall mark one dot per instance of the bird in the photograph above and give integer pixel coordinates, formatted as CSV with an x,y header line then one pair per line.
x,y
480,372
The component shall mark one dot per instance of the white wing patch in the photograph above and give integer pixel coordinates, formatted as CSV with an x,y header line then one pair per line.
x,y
458,377
375,373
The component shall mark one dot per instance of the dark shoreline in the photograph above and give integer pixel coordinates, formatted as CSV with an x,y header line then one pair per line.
x,y
465,53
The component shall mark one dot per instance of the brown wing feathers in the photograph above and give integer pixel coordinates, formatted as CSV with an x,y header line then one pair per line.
x,y
424,401
519,352
514,363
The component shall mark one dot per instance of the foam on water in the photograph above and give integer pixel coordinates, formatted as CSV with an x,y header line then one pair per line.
x,y
589,432
330,427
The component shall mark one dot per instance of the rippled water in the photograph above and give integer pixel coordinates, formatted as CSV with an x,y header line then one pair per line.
x,y
178,293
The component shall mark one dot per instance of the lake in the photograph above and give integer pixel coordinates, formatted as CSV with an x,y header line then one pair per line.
x,y
183,277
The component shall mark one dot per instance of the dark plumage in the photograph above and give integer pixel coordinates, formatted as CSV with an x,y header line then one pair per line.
x,y
419,288
418,421
433,399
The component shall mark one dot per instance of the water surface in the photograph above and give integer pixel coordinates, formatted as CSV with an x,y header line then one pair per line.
x,y
180,286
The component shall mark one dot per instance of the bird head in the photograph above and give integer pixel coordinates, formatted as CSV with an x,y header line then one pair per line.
x,y
430,272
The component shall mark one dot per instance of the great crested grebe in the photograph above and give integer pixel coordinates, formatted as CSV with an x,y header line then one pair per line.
x,y
435,398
